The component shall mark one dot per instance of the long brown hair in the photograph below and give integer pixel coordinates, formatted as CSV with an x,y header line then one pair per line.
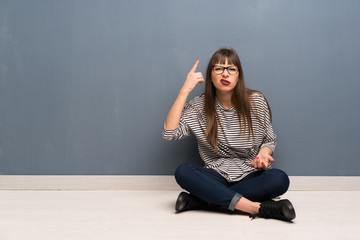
x,y
240,97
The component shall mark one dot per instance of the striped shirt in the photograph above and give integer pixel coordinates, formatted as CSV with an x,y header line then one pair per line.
x,y
235,149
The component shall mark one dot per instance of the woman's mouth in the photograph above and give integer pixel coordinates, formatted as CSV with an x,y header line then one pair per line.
x,y
225,82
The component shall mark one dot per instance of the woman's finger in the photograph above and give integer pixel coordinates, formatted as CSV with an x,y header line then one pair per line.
x,y
257,162
193,69
255,165
198,75
264,166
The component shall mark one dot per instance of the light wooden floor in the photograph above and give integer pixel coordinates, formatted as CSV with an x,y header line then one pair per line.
x,y
135,214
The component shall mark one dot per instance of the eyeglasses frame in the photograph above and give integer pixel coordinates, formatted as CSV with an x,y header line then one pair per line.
x,y
227,69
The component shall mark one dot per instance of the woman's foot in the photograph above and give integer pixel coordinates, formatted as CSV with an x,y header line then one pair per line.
x,y
187,201
282,210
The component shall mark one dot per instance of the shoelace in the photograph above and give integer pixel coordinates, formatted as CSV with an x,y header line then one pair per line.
x,y
268,209
253,216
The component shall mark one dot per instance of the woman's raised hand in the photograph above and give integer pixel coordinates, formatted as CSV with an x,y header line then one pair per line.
x,y
174,115
192,79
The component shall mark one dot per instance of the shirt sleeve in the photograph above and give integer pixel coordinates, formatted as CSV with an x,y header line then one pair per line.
x,y
269,139
183,130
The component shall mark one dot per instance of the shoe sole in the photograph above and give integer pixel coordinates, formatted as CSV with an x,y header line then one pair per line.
x,y
288,210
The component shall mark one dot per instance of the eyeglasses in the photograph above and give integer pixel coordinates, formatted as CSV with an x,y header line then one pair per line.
x,y
232,70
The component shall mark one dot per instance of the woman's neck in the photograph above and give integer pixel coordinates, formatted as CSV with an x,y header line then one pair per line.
x,y
225,99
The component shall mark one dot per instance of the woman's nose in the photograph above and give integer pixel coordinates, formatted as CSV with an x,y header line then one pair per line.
x,y
225,73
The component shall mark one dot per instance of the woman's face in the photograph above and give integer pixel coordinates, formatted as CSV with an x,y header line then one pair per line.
x,y
224,82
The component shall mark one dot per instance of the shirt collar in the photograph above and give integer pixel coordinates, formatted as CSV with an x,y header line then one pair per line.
x,y
222,107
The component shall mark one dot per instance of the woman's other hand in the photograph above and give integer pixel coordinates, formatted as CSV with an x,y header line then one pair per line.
x,y
262,161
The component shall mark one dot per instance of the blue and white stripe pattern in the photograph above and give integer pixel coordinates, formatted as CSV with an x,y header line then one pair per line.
x,y
235,149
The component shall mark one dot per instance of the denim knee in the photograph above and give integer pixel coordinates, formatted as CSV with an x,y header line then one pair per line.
x,y
281,180
181,172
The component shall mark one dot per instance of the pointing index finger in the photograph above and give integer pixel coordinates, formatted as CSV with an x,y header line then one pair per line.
x,y
193,69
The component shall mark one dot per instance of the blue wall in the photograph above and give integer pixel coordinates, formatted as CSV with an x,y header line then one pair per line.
x,y
85,86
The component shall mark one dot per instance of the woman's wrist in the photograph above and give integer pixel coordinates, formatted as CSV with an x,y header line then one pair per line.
x,y
265,150
184,91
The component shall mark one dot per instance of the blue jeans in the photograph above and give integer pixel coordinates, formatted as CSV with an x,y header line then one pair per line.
x,y
210,186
